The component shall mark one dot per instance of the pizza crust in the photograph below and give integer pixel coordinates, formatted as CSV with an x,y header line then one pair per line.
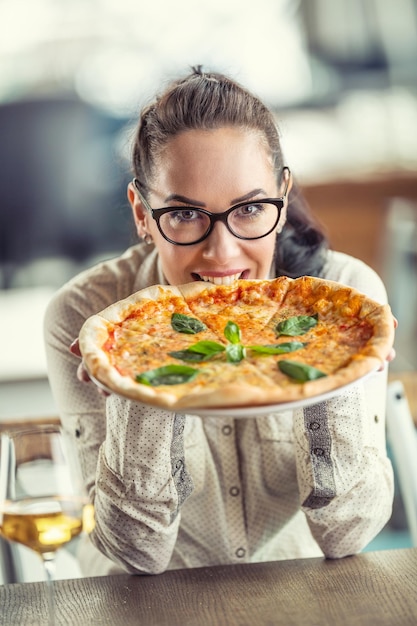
x,y
121,309
242,392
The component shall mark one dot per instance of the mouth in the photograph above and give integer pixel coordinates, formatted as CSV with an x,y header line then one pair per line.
x,y
220,279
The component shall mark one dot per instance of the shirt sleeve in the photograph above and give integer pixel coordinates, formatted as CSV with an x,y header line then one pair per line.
x,y
131,456
141,484
345,477
81,408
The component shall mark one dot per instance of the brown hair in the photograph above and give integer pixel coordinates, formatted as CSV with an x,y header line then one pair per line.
x,y
206,101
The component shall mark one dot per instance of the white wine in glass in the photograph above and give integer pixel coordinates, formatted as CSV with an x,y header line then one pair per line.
x,y
43,504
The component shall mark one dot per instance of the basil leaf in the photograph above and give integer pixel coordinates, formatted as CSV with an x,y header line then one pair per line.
x,y
235,352
232,332
188,355
167,375
207,347
186,324
200,351
300,371
281,348
297,325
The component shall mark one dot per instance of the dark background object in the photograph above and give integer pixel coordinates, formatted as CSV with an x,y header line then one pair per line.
x,y
62,184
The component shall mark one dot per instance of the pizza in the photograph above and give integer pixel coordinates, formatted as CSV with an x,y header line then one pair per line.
x,y
250,343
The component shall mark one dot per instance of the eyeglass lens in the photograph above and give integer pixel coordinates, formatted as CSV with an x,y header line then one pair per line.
x,y
248,221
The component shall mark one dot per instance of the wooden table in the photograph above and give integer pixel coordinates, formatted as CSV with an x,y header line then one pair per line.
x,y
372,588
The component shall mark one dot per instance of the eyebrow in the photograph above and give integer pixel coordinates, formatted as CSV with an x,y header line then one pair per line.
x,y
197,203
183,199
248,196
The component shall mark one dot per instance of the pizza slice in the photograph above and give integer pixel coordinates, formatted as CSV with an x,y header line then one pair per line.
x,y
142,333
322,329
248,303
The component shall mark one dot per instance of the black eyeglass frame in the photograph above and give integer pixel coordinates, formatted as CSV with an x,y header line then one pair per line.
x,y
214,217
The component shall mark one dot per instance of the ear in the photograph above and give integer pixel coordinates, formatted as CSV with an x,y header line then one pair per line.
x,y
140,214
283,217
286,178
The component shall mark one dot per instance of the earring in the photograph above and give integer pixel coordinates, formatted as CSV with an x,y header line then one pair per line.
x,y
148,239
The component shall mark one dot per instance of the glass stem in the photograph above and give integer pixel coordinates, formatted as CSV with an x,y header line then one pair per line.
x,y
49,563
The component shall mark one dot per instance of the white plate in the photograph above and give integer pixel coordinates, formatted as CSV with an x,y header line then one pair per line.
x,y
258,410
265,409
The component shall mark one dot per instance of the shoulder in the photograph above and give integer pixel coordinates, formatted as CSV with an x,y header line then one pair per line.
x,y
101,285
353,272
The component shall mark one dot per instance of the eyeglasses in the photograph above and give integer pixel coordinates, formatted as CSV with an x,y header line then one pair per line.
x,y
185,226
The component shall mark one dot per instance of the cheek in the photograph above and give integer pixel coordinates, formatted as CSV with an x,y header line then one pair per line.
x,y
282,220
150,225
266,246
262,255
175,261
268,252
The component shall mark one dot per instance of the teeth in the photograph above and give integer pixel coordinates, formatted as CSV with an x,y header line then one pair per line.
x,y
220,280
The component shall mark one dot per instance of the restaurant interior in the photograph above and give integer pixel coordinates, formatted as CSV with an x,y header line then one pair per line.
x,y
341,77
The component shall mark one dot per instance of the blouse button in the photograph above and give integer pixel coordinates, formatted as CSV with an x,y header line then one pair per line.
x,y
314,426
234,491
240,553
226,430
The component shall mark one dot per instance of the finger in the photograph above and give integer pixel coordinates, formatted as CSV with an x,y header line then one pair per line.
x,y
84,377
75,348
82,374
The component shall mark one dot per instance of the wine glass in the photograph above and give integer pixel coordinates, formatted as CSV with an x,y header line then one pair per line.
x,y
43,503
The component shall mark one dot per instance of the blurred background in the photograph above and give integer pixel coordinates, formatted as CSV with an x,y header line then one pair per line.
x,y
340,75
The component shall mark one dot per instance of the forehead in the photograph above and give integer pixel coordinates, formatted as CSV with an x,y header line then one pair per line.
x,y
228,158
215,139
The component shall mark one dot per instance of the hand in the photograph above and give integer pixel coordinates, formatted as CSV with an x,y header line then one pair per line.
x,y
82,373
391,355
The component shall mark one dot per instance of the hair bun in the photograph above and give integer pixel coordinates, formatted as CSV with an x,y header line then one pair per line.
x,y
197,69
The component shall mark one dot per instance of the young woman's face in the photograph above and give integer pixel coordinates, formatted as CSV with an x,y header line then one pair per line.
x,y
214,170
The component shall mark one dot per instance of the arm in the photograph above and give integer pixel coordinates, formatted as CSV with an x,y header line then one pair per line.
x,y
130,456
345,477
140,486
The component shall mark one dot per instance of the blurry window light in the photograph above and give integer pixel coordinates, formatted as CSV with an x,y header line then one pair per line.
x,y
273,61
130,49
30,23
114,78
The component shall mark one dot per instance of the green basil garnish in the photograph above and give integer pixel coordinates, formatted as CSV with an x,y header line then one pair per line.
x,y
281,348
297,325
207,347
167,375
200,351
232,332
300,371
189,355
235,352
186,324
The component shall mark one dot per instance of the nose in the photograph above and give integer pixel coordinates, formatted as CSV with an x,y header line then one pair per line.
x,y
221,245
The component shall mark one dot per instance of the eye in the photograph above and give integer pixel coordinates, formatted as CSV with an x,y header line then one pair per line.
x,y
250,210
181,216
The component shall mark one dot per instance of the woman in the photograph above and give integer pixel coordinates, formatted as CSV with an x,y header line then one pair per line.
x,y
173,491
